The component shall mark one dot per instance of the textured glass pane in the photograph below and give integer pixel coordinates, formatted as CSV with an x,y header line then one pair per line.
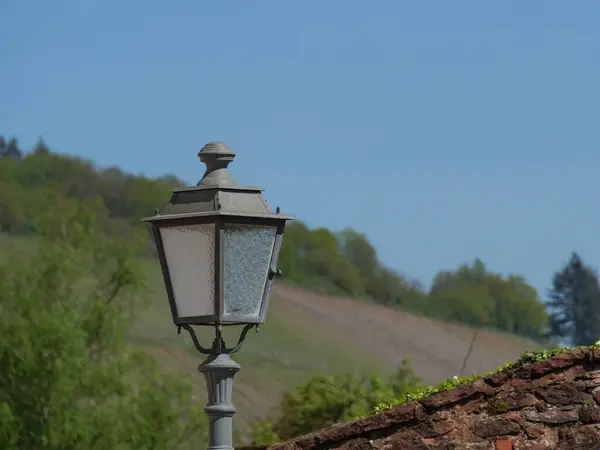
x,y
246,261
190,253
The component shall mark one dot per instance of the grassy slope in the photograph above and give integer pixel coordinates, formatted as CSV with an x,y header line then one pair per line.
x,y
307,333
287,350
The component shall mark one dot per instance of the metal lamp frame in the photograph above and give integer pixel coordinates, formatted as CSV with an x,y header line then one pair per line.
x,y
220,201
220,222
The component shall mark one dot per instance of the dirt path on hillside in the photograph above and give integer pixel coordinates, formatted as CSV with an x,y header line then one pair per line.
x,y
437,349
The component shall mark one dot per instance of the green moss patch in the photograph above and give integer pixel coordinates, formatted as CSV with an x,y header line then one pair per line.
x,y
451,383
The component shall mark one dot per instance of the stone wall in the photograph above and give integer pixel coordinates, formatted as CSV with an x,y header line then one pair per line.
x,y
550,404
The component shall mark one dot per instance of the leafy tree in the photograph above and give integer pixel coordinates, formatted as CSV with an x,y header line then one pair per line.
x,y
518,308
262,433
463,303
476,296
292,257
11,207
2,146
381,284
392,288
69,380
312,257
356,247
575,303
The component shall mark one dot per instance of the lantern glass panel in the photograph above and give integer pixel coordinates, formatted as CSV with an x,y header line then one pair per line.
x,y
190,255
246,263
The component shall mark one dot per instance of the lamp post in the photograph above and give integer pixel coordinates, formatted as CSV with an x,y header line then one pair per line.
x,y
218,245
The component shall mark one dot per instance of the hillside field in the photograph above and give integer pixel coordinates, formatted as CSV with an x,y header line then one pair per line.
x,y
307,333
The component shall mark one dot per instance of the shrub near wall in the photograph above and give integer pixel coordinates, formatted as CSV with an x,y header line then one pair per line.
x,y
547,404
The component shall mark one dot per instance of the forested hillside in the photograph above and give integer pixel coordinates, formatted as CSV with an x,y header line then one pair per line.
x,y
328,261
321,360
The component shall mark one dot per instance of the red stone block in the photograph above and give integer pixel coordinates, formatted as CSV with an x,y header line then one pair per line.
x,y
504,445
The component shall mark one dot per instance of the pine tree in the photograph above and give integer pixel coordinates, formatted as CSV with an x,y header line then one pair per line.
x,y
2,146
12,150
575,303
41,147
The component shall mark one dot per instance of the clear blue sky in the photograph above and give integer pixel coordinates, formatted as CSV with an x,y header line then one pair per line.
x,y
444,130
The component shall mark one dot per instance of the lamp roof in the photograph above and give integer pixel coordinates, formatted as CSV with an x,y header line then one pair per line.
x,y
217,193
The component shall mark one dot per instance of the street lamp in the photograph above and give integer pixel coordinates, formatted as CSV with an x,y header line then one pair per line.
x,y
218,244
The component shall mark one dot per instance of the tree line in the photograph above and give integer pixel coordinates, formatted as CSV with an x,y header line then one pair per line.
x,y
40,182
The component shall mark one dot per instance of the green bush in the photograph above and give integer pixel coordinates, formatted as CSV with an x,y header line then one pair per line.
x,y
328,399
